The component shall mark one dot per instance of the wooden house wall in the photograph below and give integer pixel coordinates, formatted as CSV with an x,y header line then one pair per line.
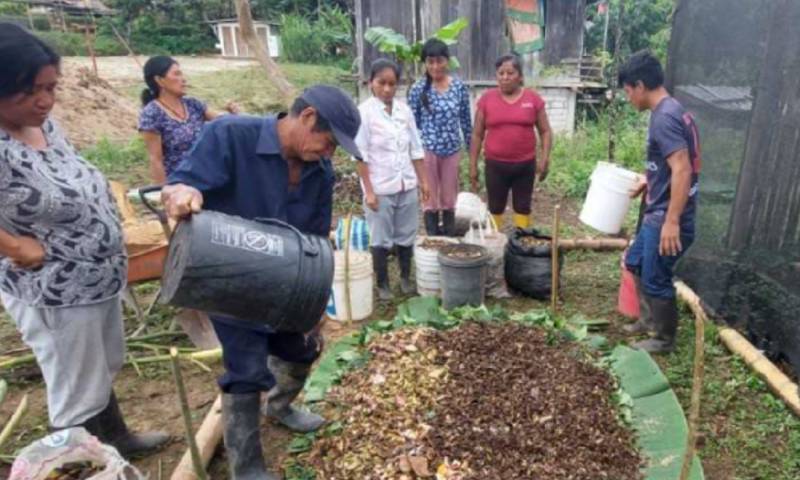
x,y
766,211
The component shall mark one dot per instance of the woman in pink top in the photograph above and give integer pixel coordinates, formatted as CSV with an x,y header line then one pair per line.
x,y
506,118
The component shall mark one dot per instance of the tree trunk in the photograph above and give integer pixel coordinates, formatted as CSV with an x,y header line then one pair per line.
x,y
260,49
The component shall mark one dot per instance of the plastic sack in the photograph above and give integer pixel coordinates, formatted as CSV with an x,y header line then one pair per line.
x,y
528,266
359,234
469,208
73,445
495,243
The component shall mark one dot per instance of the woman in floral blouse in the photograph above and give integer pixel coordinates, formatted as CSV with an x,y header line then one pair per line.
x,y
170,121
62,260
441,107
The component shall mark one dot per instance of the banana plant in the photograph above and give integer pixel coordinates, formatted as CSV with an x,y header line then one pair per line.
x,y
408,54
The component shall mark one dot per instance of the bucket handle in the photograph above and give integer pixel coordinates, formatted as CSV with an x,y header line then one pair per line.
x,y
161,214
308,248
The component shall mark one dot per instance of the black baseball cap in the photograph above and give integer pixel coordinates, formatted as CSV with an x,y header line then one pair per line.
x,y
338,109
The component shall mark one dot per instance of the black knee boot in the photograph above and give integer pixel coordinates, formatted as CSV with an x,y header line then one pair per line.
x,y
241,418
404,256
449,222
380,264
109,427
664,313
432,223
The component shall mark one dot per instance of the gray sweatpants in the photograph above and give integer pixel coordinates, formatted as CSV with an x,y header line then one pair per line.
x,y
79,350
396,221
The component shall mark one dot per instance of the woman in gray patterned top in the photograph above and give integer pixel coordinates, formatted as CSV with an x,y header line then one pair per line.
x,y
62,259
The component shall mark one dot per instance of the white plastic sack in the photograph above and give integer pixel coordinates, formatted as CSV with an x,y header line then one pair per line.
x,y
469,208
495,242
72,445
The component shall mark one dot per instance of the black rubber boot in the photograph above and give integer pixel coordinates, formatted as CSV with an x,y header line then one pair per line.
x,y
432,223
449,223
380,264
110,428
241,416
290,377
404,256
665,321
645,322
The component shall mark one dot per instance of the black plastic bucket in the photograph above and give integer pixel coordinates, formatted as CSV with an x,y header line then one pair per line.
x,y
463,275
264,270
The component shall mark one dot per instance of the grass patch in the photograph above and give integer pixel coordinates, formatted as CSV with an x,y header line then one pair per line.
x,y
574,157
747,432
126,163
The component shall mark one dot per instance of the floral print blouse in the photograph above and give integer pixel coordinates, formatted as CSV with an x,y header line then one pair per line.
x,y
446,118
177,137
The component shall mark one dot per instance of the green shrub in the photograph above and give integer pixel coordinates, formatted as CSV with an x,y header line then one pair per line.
x,y
65,43
327,39
574,157
117,160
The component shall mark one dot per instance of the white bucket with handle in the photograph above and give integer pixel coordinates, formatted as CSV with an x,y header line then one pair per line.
x,y
608,199
426,261
488,235
359,277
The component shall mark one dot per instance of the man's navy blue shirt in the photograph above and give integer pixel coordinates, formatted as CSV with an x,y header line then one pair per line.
x,y
237,165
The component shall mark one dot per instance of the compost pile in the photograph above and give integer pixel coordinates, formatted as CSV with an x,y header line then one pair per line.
x,y
483,401
534,242
435,244
462,251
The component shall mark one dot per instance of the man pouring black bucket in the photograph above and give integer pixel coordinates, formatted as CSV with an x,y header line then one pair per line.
x,y
276,167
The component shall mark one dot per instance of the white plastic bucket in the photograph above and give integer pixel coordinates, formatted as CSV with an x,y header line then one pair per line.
x,y
608,199
428,269
360,286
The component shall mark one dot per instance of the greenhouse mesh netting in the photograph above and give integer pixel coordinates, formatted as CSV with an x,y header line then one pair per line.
x,y
736,66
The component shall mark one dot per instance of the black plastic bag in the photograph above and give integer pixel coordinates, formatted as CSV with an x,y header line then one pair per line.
x,y
529,267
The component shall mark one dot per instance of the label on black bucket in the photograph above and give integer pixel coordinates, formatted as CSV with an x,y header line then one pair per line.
x,y
235,236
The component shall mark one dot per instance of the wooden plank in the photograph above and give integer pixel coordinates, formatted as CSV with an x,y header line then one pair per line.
x,y
564,27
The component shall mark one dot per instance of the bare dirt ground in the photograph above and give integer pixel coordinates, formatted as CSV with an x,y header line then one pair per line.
x,y
91,108
122,72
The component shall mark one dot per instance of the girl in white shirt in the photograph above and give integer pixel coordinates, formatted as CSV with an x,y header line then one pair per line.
x,y
392,175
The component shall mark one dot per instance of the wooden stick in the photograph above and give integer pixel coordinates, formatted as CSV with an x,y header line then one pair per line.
x,y
125,44
700,319
15,419
3,391
554,259
593,244
197,462
348,306
208,437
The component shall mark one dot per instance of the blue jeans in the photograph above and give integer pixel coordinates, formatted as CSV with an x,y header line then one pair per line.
x,y
246,346
654,269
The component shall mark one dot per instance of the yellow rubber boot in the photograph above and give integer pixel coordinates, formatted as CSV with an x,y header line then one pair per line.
x,y
522,221
498,220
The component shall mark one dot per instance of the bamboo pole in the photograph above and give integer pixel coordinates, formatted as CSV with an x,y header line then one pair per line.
x,y
197,462
348,304
780,384
207,439
593,244
700,319
554,259
15,419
